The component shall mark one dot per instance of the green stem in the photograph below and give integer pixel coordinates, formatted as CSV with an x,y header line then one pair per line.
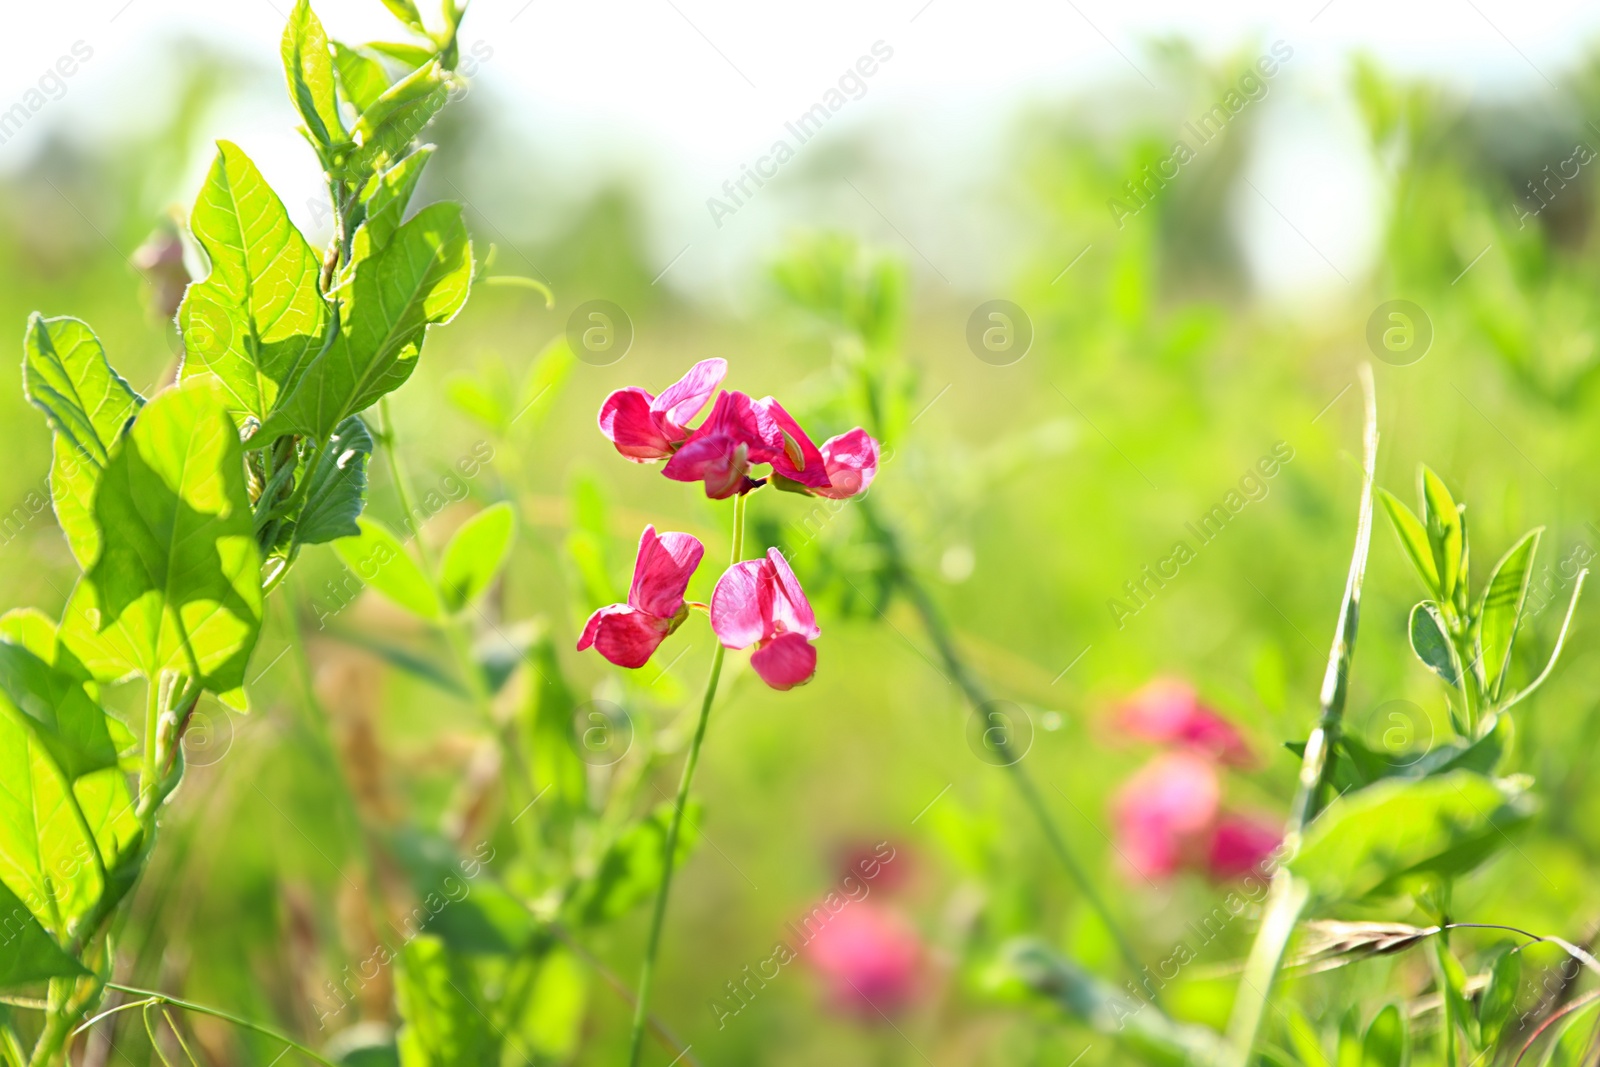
x,y
641,1011
265,1031
152,726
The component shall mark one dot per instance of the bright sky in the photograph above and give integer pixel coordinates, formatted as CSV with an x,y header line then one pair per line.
x,y
687,91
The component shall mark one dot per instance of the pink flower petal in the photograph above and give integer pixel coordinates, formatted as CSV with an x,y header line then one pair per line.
x,y
851,460
683,399
1169,712
1239,844
662,570
736,615
626,421
1163,812
624,635
785,661
790,611
788,449
718,460
869,956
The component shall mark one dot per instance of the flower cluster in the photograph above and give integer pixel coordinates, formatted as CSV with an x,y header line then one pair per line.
x,y
756,602
1169,816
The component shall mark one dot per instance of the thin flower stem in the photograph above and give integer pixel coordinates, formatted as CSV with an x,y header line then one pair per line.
x,y
187,1005
641,1010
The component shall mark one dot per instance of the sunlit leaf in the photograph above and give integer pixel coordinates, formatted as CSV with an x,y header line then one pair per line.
x,y
308,66
1500,610
475,555
378,558
1414,539
406,12
1446,538
1388,1039
55,707
441,1004
385,203
88,405
259,316
386,129
30,954
362,79
1432,646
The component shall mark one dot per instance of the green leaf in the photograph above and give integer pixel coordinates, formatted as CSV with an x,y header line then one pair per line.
x,y
1397,833
54,706
440,1002
30,954
549,734
1572,1047
1429,642
631,869
1303,1037
586,543
558,1007
338,486
1499,997
481,401
87,404
308,66
386,130
411,55
459,901
37,632
1414,539
1454,980
406,11
1446,538
259,316
1555,653
385,203
421,279
362,79
179,587
475,555
1388,1040
378,558
1500,610
540,390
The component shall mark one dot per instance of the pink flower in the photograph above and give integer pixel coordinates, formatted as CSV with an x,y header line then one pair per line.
x,y
1239,843
645,427
851,460
786,446
720,452
1169,712
627,634
870,958
1163,812
759,602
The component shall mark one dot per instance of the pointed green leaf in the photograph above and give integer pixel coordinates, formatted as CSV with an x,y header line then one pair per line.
x,y
1446,539
385,204
406,11
362,79
179,587
378,558
308,66
441,1008
55,707
1573,1046
1500,610
475,555
421,279
1499,996
30,954
1453,977
1414,539
1305,1040
1389,836
1555,653
386,130
411,55
1388,1039
1429,642
259,315
87,404
338,486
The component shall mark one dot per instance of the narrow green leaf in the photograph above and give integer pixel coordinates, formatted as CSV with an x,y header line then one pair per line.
x,y
1303,1037
386,130
308,66
1388,1040
1429,642
631,869
1555,653
30,954
440,1002
87,404
406,11
1453,978
1414,539
259,316
1571,1048
1500,610
1385,838
362,79
542,387
378,558
179,587
338,488
385,201
1499,997
475,555
1446,539
410,55
421,279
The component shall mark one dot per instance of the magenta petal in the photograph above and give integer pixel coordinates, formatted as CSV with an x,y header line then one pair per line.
x,y
662,570
1239,843
736,616
787,447
718,460
623,635
851,460
789,609
786,661
626,421
683,399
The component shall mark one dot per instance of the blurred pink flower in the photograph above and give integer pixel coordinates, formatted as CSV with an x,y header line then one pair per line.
x,y
1169,712
645,427
1238,844
869,957
1163,812
627,634
759,602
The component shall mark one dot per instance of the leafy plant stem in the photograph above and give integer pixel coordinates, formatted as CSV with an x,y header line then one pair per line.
x,y
189,1005
641,1011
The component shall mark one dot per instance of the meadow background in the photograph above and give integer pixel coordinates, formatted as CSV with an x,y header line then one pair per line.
x,y
1170,352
